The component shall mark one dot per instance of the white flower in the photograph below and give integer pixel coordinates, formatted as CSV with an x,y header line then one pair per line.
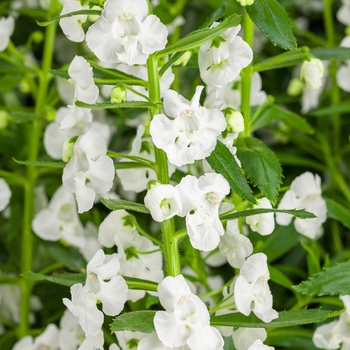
x,y
343,14
91,245
251,290
243,338
258,345
126,33
343,73
89,171
262,223
7,26
200,204
71,26
311,73
192,132
5,194
128,340
151,341
81,76
304,193
75,115
163,201
60,220
222,59
71,334
185,319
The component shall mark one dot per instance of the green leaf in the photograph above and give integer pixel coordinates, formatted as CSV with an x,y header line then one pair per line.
x,y
331,53
200,36
273,20
285,319
280,278
10,81
261,166
60,73
129,165
338,212
23,117
276,113
65,279
223,162
137,321
110,105
57,165
299,213
75,13
343,107
117,204
140,284
334,280
214,17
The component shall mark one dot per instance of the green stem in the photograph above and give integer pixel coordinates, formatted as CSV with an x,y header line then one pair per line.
x,y
34,145
168,226
247,73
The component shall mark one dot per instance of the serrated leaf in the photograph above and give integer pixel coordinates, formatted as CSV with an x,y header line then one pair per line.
x,y
137,321
200,36
57,165
261,166
338,212
23,117
75,13
64,279
110,105
118,204
299,213
285,319
273,20
334,280
276,113
222,161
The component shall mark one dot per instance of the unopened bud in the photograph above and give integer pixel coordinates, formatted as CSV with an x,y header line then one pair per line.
x,y
347,31
311,73
183,59
118,94
38,37
246,2
68,149
295,87
4,119
50,113
234,119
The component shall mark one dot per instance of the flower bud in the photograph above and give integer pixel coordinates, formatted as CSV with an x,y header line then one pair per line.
x,y
38,37
68,149
183,59
4,119
246,2
234,119
312,73
118,94
295,87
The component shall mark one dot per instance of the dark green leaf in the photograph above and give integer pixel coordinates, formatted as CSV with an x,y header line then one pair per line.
x,y
299,160
334,280
110,105
338,212
261,166
139,284
276,113
343,107
299,213
75,13
285,319
60,73
200,36
22,117
10,81
137,321
331,53
279,277
65,279
58,165
214,17
222,161
117,204
273,20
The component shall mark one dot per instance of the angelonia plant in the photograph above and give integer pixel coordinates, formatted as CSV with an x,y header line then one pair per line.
x,y
174,174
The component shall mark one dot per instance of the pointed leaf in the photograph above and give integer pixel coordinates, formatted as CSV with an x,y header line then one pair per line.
x,y
64,279
140,284
129,165
331,53
338,212
110,105
58,165
261,166
285,319
137,321
223,162
23,117
200,36
117,204
334,280
273,20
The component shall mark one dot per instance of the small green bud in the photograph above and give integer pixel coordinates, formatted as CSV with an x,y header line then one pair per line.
x,y
347,31
234,119
182,61
4,119
68,149
50,113
246,2
295,87
118,94
24,86
38,37
152,183
162,61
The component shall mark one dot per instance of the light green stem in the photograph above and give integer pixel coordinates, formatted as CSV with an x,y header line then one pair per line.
x,y
168,227
247,73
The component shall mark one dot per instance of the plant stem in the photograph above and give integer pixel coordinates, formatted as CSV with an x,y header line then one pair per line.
x,y
247,74
168,226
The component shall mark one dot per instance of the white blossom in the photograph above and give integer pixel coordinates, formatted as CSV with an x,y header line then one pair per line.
x,y
185,319
128,340
343,14
5,194
126,33
71,334
221,60
343,72
304,193
7,26
71,26
243,338
311,73
251,290
191,131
